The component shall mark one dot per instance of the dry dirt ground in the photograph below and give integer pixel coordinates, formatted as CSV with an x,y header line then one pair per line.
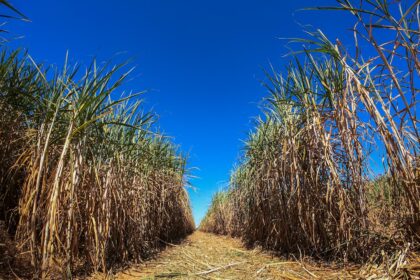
x,y
207,256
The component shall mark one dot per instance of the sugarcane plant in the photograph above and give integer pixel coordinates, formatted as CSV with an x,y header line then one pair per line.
x,y
91,177
305,184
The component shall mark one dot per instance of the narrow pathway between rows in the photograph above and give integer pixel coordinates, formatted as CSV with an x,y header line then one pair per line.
x,y
207,256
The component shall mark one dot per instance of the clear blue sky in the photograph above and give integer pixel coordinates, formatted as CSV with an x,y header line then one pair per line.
x,y
201,61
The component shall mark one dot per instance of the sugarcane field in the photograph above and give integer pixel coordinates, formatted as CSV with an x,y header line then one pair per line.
x,y
210,139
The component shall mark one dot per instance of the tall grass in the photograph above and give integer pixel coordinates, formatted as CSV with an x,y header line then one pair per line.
x,y
85,176
304,184
217,217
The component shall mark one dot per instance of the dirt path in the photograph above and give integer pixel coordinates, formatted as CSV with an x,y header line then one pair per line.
x,y
207,256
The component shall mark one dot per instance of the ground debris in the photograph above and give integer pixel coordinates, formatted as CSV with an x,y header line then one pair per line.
x,y
208,256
